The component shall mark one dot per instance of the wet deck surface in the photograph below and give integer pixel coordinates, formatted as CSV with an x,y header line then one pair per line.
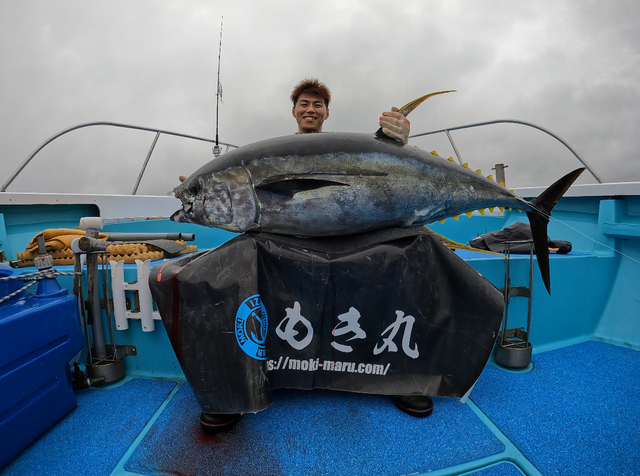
x,y
574,413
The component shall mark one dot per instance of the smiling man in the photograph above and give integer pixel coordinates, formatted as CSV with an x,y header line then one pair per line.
x,y
311,100
310,105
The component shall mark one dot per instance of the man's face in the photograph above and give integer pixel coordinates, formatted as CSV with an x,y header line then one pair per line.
x,y
310,112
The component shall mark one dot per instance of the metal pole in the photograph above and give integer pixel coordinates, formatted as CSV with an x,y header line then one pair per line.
x,y
105,293
144,165
93,296
530,293
78,290
150,236
500,177
455,149
216,149
507,289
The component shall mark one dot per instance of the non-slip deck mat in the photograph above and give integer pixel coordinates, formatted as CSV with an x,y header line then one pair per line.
x,y
317,432
576,412
94,436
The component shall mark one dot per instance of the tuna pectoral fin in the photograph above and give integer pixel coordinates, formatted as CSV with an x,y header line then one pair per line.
x,y
539,219
289,188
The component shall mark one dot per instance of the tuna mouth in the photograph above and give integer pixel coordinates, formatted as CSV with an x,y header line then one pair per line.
x,y
177,216
183,214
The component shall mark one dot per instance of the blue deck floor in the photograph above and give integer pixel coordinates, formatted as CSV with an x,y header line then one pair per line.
x,y
576,412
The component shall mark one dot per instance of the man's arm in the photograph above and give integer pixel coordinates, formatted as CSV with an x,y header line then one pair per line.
x,y
395,125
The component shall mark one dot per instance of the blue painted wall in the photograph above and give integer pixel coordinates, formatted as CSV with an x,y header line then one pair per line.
x,y
595,288
619,228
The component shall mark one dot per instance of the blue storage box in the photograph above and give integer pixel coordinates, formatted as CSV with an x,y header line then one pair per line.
x,y
9,285
39,335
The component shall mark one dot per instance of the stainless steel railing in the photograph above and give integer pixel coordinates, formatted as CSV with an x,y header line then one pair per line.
x,y
187,136
509,121
114,124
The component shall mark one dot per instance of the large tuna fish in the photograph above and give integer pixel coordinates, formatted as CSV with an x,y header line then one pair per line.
x,y
333,183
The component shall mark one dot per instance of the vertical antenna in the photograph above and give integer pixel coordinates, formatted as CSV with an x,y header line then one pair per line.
x,y
216,149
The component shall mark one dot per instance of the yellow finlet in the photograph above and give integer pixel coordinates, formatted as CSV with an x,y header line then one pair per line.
x,y
491,209
501,209
510,208
511,191
479,171
450,159
468,213
433,152
481,211
490,177
442,221
455,217
407,108
465,165
459,246
502,184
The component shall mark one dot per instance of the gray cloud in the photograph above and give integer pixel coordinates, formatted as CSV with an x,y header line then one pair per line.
x,y
570,66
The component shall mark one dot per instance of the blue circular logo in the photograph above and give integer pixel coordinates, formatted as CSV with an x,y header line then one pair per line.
x,y
251,327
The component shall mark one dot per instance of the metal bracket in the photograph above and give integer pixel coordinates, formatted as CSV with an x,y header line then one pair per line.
x,y
124,350
522,291
517,332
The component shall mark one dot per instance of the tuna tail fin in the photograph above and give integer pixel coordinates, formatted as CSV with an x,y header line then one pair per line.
x,y
407,108
539,219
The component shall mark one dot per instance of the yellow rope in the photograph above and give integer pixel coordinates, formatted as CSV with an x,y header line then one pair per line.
x,y
127,252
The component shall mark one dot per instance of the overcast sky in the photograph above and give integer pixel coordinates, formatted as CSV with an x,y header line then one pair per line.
x,y
570,66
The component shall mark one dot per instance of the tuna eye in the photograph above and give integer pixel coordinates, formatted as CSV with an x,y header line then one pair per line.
x,y
195,188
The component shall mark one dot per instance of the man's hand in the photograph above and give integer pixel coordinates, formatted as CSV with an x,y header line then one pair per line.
x,y
182,178
395,125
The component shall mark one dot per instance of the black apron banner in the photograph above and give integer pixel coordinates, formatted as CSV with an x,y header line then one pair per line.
x,y
392,312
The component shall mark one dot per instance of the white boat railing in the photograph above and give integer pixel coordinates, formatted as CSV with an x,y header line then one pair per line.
x,y
114,124
509,121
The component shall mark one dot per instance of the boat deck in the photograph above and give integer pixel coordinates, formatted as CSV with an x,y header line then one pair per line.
x,y
574,412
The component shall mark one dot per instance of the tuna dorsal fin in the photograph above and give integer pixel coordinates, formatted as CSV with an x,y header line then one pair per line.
x,y
407,108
